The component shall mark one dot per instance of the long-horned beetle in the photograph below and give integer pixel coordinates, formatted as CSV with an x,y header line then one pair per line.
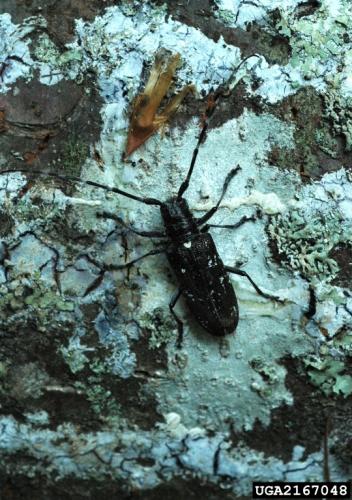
x,y
202,276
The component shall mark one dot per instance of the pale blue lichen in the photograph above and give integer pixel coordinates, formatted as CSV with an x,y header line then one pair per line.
x,y
122,360
102,454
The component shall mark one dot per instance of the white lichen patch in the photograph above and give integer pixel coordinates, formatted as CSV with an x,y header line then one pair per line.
x,y
116,45
15,58
239,13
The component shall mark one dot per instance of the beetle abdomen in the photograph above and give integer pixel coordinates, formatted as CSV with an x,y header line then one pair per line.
x,y
205,284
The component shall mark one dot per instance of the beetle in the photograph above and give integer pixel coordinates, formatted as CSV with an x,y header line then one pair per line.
x,y
203,277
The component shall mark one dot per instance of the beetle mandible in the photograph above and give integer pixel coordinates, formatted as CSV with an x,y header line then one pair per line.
x,y
203,277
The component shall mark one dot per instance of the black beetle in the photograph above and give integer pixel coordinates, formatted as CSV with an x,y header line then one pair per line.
x,y
193,256
202,276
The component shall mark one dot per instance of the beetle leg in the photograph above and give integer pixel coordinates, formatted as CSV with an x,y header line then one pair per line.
x,y
116,218
234,270
243,220
172,304
212,211
116,267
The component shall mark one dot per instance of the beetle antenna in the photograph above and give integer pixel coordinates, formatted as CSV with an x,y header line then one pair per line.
x,y
147,201
208,114
239,66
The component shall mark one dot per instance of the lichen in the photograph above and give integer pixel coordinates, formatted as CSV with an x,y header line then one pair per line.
x,y
53,63
304,242
74,354
101,398
320,44
270,375
15,59
160,327
118,454
338,110
28,298
317,222
329,375
241,13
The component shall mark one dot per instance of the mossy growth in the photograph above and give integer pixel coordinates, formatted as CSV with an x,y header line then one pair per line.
x,y
75,152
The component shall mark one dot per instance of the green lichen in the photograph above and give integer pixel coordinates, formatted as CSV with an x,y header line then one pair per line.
x,y
101,399
317,42
326,142
321,48
48,299
160,327
268,371
59,63
45,50
99,366
305,241
329,375
226,16
343,342
74,357
28,298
